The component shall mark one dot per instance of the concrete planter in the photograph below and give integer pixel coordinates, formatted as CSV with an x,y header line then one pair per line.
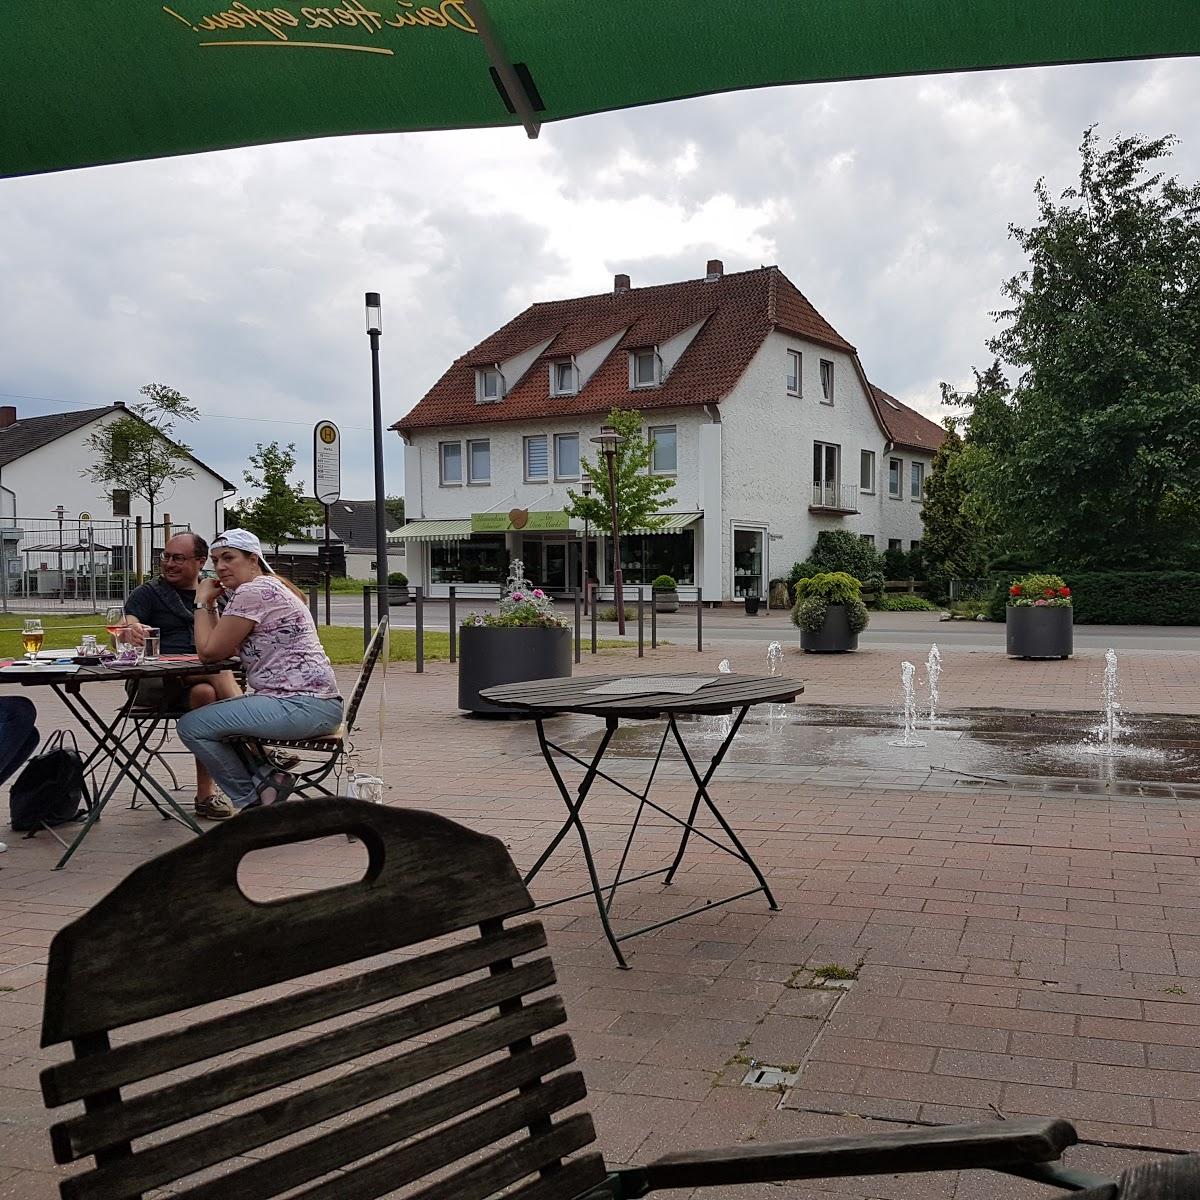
x,y
398,593
490,657
667,601
1039,632
834,636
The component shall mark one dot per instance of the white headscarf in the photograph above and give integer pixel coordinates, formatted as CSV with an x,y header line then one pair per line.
x,y
242,539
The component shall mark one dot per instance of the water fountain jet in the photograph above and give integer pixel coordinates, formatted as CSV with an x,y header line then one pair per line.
x,y
907,671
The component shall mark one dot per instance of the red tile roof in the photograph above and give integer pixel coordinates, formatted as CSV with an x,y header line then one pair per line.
x,y
905,426
739,311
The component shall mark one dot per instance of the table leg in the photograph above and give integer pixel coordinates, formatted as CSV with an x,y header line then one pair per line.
x,y
573,821
104,735
702,795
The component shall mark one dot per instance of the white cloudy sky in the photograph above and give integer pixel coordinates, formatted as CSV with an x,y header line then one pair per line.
x,y
238,277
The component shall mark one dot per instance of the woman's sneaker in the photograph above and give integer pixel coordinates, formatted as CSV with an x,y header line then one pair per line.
x,y
214,808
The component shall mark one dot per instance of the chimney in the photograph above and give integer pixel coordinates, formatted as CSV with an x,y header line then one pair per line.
x,y
8,415
620,284
714,270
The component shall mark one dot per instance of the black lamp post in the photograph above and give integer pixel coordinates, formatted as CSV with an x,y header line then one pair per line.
x,y
585,487
374,329
608,441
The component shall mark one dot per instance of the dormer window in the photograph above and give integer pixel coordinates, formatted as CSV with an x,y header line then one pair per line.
x,y
645,368
489,385
564,378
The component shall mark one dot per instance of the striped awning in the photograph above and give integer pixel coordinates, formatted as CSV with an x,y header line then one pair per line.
x,y
674,523
433,531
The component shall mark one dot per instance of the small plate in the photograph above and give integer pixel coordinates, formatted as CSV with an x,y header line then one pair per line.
x,y
87,660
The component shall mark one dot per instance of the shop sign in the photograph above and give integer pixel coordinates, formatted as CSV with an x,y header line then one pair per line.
x,y
518,519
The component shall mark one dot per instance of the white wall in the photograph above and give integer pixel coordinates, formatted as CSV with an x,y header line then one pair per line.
x,y
55,474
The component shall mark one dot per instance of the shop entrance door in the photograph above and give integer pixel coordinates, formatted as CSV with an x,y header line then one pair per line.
x,y
748,562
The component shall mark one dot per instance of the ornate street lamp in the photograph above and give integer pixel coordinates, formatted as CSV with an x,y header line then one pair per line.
x,y
374,329
608,441
585,487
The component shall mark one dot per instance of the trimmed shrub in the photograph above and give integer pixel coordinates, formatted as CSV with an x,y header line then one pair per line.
x,y
610,613
1136,597
841,550
904,602
664,583
397,579
817,592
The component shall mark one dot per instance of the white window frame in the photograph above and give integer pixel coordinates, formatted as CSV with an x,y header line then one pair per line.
x,y
863,457
651,436
796,373
826,395
481,376
898,494
530,437
916,480
442,480
572,388
634,355
837,478
558,437
470,461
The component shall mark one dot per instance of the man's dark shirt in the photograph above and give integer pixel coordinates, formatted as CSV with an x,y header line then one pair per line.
x,y
169,609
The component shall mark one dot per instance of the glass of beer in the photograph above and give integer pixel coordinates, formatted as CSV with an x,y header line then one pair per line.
x,y
32,636
114,620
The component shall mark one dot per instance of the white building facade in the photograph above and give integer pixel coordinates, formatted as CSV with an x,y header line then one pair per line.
x,y
768,440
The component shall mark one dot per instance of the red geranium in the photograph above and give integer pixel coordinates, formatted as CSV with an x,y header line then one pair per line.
x,y
1064,591
1015,590
1049,593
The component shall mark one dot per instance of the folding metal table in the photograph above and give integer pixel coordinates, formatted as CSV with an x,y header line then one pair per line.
x,y
723,695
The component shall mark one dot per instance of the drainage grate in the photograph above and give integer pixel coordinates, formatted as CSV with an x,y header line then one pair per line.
x,y
770,1077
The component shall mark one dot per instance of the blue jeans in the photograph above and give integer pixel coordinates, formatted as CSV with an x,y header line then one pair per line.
x,y
205,732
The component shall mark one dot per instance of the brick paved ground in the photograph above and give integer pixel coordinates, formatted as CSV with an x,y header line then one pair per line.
x,y
1020,953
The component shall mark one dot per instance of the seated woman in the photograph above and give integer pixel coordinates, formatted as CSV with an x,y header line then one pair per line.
x,y
292,689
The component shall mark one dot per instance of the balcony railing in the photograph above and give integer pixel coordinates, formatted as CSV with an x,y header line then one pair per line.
x,y
830,497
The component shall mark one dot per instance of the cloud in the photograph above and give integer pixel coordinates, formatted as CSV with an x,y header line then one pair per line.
x,y
238,277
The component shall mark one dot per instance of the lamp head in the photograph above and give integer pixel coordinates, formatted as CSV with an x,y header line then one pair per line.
x,y
374,313
585,485
609,439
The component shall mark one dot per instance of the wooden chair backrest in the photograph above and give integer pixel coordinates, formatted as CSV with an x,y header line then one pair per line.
x,y
427,1069
370,657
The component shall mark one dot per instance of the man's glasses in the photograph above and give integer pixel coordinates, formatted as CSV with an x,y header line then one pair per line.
x,y
177,558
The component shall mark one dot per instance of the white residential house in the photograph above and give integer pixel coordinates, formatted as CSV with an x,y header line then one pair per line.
x,y
760,412
43,467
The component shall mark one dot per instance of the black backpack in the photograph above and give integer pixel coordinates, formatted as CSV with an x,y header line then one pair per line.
x,y
52,789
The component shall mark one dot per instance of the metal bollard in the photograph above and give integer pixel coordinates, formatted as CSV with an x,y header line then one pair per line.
x,y
453,627
700,620
653,619
366,615
641,623
594,599
578,628
419,597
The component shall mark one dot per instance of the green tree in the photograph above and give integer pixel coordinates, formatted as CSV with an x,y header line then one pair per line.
x,y
394,506
281,510
640,495
138,453
1094,461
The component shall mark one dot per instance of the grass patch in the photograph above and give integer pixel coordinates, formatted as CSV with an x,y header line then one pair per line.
x,y
835,971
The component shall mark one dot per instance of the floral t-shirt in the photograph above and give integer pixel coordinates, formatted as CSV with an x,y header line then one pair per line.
x,y
282,655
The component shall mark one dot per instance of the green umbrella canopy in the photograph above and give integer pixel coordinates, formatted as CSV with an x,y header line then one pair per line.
x,y
89,82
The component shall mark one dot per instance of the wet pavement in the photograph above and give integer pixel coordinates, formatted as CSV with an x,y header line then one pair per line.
x,y
1153,755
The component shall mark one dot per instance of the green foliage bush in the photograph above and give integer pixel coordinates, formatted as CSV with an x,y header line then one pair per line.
x,y
397,579
904,602
664,583
841,550
610,613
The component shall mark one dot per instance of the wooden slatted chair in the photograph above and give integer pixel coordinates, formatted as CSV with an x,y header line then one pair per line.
x,y
321,756
406,1045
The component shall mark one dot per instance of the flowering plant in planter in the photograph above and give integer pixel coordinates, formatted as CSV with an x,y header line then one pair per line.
x,y
522,606
815,594
1039,591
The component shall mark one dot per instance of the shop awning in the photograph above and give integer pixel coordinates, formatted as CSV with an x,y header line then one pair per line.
x,y
458,530
674,523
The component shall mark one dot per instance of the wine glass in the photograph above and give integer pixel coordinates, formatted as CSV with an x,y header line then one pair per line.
x,y
32,636
114,622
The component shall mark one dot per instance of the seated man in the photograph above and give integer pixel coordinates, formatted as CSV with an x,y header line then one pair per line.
x,y
167,604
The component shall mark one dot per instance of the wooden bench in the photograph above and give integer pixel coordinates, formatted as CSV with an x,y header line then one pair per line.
x,y
426,1056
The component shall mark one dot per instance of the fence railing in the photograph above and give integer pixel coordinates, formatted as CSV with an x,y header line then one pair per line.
x,y
840,498
65,564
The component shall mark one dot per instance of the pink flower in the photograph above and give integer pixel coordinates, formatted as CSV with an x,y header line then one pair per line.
x,y
518,596
538,594
1039,604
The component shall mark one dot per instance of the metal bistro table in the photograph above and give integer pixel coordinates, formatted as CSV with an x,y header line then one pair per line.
x,y
130,763
719,696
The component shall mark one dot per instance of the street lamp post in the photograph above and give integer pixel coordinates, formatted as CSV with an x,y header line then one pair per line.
x,y
586,488
608,441
62,583
374,329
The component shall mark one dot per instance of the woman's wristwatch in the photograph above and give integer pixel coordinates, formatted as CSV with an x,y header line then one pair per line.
x,y
208,608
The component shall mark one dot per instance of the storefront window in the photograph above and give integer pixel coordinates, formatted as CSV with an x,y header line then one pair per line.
x,y
645,556
483,558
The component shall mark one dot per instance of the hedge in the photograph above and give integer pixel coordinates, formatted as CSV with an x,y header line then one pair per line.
x,y
1124,597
